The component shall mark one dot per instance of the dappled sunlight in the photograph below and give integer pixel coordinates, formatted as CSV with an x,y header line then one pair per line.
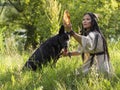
x,y
25,24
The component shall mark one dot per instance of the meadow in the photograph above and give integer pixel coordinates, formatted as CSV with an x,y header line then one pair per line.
x,y
62,77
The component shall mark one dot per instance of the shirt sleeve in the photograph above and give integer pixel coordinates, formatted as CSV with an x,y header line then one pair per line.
x,y
88,42
80,49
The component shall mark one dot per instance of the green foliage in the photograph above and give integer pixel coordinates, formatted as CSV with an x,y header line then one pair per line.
x,y
53,12
9,14
41,19
2,49
62,77
46,16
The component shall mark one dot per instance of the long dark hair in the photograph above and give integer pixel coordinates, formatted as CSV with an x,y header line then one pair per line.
x,y
93,28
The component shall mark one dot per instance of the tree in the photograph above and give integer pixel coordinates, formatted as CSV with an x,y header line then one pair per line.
x,y
42,18
36,18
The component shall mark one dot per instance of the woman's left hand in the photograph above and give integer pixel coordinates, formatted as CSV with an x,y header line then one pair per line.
x,y
64,53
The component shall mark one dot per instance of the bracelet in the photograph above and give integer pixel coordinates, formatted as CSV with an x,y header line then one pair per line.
x,y
71,33
69,54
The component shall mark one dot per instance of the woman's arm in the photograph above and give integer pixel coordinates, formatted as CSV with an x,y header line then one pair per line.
x,y
73,53
76,36
68,26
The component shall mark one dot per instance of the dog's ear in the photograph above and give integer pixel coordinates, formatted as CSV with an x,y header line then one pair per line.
x,y
61,31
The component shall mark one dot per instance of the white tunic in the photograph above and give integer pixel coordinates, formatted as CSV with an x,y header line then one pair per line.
x,y
89,45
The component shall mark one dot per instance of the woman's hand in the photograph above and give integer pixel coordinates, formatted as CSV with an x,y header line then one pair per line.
x,y
64,53
66,21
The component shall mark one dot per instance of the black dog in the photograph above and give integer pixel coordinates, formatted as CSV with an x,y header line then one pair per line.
x,y
49,50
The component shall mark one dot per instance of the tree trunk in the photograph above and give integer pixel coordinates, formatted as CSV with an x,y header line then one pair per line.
x,y
31,37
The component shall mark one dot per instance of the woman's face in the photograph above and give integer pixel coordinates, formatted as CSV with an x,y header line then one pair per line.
x,y
86,22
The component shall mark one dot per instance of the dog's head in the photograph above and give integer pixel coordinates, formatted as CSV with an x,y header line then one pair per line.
x,y
63,38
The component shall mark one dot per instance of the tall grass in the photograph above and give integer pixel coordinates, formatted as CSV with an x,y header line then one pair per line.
x,y
62,77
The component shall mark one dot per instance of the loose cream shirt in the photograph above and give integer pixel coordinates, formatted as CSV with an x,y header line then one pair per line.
x,y
88,44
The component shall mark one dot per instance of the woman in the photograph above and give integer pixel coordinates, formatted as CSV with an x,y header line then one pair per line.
x,y
91,41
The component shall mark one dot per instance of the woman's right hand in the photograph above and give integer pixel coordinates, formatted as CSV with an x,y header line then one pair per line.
x,y
66,21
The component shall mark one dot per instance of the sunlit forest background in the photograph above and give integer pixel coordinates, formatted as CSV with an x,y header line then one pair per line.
x,y
25,24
